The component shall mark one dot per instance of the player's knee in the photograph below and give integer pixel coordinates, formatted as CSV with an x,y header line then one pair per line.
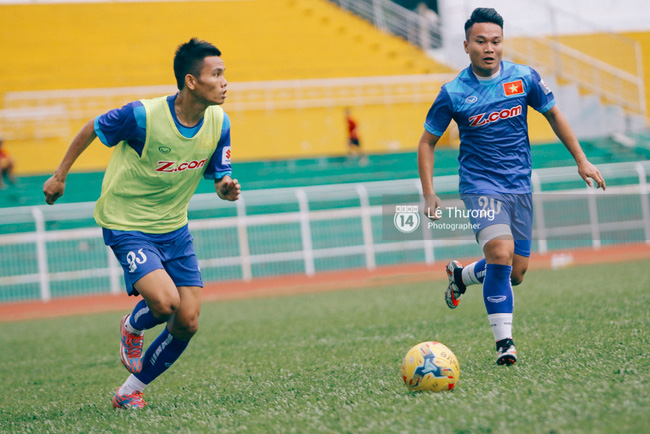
x,y
499,256
185,328
190,329
517,277
164,308
499,251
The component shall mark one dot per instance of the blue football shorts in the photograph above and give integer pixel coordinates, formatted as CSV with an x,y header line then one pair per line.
x,y
514,210
141,253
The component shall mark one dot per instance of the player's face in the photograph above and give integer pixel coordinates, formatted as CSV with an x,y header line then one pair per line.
x,y
484,45
211,84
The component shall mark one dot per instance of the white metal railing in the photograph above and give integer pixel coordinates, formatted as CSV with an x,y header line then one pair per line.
x,y
551,58
308,234
418,30
65,107
34,121
621,84
254,95
619,80
333,92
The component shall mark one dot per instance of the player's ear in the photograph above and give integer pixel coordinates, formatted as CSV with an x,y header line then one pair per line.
x,y
190,81
465,46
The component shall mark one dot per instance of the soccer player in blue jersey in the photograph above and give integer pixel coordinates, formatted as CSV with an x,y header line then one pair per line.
x,y
489,102
162,149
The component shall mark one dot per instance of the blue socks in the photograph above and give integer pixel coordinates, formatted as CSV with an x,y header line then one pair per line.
x,y
142,318
499,300
479,270
497,291
160,355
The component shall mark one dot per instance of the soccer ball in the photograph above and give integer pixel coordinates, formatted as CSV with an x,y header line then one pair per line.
x,y
430,366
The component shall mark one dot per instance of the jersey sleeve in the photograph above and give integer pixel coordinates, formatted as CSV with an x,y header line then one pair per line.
x,y
440,114
128,123
540,96
219,164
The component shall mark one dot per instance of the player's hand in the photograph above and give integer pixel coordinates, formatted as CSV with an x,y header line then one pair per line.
x,y
229,189
432,204
588,171
53,189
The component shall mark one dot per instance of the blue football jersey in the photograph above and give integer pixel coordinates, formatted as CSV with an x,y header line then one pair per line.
x,y
492,123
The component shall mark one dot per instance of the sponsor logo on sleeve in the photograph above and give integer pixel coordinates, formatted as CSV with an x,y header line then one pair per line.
x,y
545,87
225,156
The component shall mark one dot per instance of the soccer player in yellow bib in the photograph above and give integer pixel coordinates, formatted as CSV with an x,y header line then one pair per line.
x,y
162,149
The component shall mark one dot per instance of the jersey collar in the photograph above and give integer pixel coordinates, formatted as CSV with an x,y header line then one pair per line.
x,y
487,80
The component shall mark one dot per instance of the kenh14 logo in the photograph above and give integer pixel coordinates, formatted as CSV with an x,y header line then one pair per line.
x,y
407,218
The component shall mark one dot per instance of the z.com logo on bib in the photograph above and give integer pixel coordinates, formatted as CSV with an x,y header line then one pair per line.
x,y
170,166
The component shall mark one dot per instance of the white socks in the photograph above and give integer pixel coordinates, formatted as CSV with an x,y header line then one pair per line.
x,y
132,384
469,277
501,324
130,329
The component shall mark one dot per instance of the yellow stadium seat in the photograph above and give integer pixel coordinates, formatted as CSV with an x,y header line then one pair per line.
x,y
123,44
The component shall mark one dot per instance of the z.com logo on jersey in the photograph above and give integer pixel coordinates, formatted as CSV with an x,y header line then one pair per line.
x,y
481,119
170,166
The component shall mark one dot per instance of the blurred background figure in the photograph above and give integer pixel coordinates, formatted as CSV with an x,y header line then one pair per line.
x,y
354,143
6,168
354,146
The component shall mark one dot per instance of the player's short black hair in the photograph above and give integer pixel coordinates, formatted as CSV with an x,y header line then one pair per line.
x,y
189,59
483,15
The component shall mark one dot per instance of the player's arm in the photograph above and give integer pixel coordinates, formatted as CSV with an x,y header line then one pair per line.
x,y
219,168
426,149
564,132
227,188
55,186
438,118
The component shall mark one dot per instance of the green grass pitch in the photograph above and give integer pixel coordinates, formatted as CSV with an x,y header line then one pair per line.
x,y
330,362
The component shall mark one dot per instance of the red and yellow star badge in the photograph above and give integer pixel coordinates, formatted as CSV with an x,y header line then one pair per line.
x,y
513,88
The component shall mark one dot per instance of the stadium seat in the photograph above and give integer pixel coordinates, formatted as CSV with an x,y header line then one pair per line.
x,y
123,44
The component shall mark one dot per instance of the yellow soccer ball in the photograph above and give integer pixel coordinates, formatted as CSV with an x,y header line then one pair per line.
x,y
430,366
